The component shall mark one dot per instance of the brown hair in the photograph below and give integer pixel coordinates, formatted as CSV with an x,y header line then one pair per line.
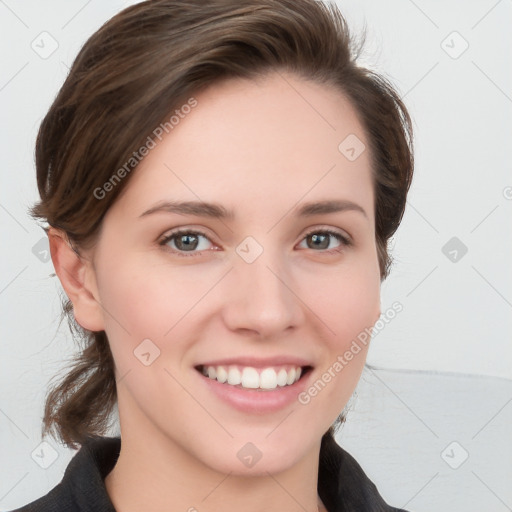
x,y
126,80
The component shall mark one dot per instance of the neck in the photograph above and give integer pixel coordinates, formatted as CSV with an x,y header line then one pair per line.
x,y
174,479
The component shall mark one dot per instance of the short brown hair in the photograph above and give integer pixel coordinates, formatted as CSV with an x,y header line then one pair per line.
x,y
140,66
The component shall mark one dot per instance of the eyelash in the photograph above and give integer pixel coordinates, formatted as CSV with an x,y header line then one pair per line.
x,y
345,241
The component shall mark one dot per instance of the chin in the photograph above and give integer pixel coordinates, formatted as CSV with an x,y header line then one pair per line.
x,y
258,454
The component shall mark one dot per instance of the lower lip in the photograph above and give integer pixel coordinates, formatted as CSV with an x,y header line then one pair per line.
x,y
254,400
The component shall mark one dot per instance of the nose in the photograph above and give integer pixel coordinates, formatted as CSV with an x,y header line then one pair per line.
x,y
261,297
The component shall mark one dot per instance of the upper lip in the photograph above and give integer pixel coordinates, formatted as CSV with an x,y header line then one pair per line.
x,y
257,362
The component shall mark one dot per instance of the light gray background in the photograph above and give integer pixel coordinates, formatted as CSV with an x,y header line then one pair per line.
x,y
440,372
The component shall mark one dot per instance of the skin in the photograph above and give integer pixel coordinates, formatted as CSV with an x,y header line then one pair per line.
x,y
261,148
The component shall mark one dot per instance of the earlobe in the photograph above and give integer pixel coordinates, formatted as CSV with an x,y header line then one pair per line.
x,y
76,275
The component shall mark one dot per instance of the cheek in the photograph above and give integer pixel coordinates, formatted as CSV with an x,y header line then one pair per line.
x,y
138,305
351,308
347,302
145,295
160,303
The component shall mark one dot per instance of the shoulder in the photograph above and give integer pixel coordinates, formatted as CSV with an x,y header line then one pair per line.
x,y
82,488
56,500
343,485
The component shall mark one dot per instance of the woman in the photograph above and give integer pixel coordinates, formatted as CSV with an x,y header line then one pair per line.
x,y
220,182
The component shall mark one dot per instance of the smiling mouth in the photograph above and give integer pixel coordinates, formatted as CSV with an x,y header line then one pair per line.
x,y
247,377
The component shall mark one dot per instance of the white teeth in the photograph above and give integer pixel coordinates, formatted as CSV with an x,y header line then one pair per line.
x,y
290,379
234,376
222,374
251,378
268,379
282,377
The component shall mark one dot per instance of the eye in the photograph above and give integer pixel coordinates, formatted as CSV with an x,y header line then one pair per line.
x,y
320,239
185,240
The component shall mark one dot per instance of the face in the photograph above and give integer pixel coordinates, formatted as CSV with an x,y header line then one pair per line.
x,y
273,285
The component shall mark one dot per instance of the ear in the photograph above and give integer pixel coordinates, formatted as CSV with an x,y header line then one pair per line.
x,y
77,276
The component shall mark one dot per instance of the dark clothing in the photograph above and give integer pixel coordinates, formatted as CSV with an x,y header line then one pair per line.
x,y
342,484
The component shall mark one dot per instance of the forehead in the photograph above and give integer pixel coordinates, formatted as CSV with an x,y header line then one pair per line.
x,y
247,143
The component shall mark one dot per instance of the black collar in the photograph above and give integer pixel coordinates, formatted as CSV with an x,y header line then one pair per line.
x,y
342,484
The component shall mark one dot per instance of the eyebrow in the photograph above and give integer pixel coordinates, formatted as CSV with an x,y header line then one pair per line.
x,y
217,211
